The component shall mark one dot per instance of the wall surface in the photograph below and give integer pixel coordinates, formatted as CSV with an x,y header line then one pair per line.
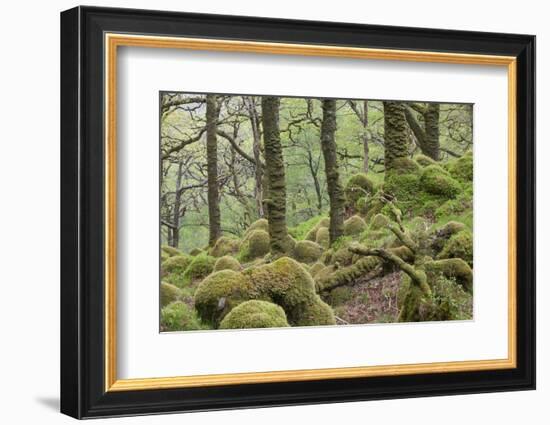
x,y
29,225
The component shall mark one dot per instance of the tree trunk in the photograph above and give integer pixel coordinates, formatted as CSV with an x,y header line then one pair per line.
x,y
175,231
275,173
395,133
212,169
365,136
431,124
335,192
427,135
257,149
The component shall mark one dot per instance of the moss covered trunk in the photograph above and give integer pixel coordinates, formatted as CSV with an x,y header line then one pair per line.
x,y
275,175
426,134
335,191
212,169
396,141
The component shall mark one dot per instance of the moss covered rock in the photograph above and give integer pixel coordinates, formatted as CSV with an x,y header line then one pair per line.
x,y
404,166
323,237
441,235
354,225
462,169
451,268
254,245
284,282
255,314
424,161
307,251
178,316
200,266
460,245
168,293
379,221
170,250
315,268
224,246
437,181
312,233
176,264
196,251
227,263
260,224
405,188
222,291
358,186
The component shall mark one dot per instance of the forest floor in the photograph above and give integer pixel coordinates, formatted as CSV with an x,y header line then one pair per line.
x,y
371,301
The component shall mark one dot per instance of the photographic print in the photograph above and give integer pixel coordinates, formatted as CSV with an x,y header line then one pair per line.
x,y
285,211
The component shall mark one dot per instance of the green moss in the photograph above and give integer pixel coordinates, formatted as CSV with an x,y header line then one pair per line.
x,y
462,169
254,245
315,268
168,293
176,264
373,205
255,314
354,225
404,166
358,186
441,235
170,250
454,207
307,251
379,221
284,282
178,316
437,181
451,268
163,256
460,245
323,237
224,246
424,160
220,292
227,263
405,188
196,251
201,266
260,224
308,229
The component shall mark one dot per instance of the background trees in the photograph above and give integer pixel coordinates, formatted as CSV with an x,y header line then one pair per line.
x,y
368,137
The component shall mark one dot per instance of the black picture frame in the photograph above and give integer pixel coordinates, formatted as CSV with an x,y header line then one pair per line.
x,y
82,219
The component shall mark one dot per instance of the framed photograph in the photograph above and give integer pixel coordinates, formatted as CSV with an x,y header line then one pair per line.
x,y
261,212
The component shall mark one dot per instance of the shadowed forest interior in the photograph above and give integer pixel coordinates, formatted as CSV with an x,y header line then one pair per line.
x,y
285,211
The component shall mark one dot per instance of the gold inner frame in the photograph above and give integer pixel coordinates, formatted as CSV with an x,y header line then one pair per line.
x,y
113,41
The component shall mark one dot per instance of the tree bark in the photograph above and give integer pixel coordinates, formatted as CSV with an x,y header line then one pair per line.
x,y
275,174
427,135
395,133
212,169
335,192
257,149
174,239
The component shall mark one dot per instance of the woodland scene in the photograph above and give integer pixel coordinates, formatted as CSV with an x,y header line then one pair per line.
x,y
286,211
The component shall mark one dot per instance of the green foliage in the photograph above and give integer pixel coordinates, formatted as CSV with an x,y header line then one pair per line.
x,y
437,181
227,263
354,225
255,314
225,246
358,186
462,169
460,245
454,207
339,295
201,266
178,316
168,293
307,252
255,244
